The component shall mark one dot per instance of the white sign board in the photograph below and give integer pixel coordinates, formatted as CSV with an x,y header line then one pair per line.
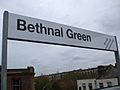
x,y
37,30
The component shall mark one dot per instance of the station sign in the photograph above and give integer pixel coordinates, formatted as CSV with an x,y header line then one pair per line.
x,y
23,28
36,30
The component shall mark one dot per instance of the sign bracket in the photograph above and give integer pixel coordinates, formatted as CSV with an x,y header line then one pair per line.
x,y
117,57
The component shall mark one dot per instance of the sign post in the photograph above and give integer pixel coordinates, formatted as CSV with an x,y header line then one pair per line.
x,y
22,28
4,52
117,57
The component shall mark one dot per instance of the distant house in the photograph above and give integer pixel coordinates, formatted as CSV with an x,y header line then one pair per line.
x,y
90,84
20,79
90,73
87,79
107,78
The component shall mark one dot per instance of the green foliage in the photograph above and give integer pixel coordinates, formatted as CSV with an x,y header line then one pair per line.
x,y
40,82
67,82
43,84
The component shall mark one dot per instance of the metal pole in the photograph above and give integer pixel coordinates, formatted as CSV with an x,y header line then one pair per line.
x,y
117,57
4,52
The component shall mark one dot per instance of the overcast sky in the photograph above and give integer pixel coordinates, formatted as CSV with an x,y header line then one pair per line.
x,y
96,15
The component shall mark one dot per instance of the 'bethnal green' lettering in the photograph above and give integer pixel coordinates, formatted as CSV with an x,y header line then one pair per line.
x,y
38,28
74,35
59,32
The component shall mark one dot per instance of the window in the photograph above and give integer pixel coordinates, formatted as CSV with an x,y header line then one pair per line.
x,y
109,84
84,86
16,84
101,85
90,86
79,88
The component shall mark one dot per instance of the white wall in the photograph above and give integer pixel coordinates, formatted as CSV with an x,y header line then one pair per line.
x,y
86,81
95,83
104,81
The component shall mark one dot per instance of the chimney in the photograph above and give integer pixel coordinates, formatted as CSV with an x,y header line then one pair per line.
x,y
31,68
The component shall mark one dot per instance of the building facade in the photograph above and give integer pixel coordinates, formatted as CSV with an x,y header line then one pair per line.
x,y
91,73
107,77
90,84
20,79
88,79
